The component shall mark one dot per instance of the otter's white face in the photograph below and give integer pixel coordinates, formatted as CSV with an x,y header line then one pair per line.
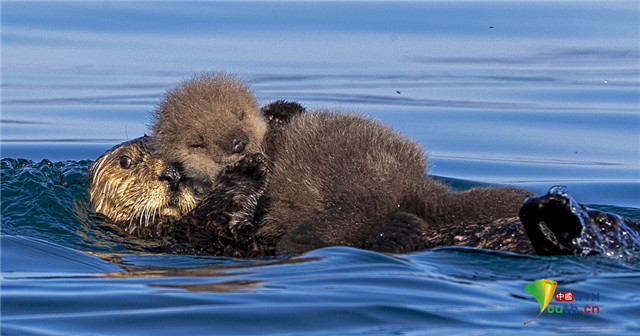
x,y
126,186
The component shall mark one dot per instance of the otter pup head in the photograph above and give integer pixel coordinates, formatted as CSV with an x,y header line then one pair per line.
x,y
205,124
127,186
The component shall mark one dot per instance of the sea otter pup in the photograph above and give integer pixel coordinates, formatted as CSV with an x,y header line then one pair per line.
x,y
341,179
336,179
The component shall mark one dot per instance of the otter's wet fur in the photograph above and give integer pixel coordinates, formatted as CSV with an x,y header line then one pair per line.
x,y
125,187
337,179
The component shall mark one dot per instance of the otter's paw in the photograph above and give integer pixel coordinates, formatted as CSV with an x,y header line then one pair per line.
x,y
402,232
280,113
558,224
251,165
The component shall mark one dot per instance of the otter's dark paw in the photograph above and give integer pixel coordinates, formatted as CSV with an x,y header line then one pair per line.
x,y
402,232
251,165
557,224
280,113
551,224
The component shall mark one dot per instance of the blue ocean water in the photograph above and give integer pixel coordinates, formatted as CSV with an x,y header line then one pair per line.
x,y
521,93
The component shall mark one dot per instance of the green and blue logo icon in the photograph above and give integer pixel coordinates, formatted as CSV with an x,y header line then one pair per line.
x,y
567,302
543,290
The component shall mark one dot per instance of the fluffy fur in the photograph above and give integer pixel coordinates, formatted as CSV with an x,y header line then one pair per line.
x,y
208,123
341,179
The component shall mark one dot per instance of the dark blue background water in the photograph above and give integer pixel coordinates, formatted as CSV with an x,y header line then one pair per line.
x,y
497,92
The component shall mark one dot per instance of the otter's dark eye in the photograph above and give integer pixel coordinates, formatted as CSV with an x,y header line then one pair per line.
x,y
125,162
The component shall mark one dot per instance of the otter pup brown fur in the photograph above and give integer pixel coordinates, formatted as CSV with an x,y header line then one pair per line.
x,y
209,121
341,179
336,179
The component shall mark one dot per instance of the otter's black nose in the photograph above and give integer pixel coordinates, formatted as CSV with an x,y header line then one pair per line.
x,y
172,175
238,146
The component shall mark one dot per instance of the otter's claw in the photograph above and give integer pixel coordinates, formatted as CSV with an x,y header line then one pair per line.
x,y
253,165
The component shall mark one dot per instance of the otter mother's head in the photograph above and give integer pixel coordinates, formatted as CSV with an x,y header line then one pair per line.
x,y
205,124
127,186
